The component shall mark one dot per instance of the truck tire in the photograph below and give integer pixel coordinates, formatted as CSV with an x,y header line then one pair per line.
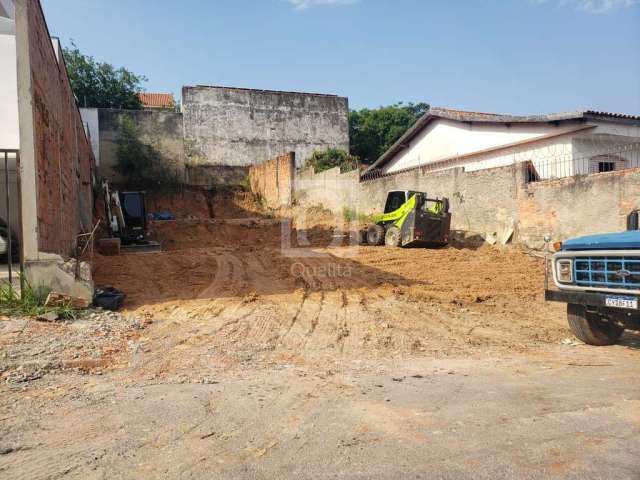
x,y
375,235
591,329
392,237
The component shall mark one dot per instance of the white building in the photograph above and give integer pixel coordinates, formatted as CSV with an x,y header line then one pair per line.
x,y
9,133
556,145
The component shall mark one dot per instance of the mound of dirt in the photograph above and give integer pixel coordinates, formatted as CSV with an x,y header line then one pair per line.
x,y
230,286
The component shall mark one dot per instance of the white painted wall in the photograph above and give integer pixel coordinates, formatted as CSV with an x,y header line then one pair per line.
x,y
9,134
564,155
92,127
446,138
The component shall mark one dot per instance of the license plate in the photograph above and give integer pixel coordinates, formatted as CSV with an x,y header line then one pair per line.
x,y
622,302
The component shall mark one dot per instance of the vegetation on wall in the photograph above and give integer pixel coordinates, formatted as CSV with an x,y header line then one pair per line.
x,y
101,85
139,162
373,131
332,157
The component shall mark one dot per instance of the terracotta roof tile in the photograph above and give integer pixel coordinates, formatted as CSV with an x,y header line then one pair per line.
x,y
157,99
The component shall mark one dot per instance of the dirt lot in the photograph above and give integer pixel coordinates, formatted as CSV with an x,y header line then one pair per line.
x,y
237,357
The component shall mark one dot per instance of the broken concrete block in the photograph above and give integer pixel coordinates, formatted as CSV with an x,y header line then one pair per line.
x,y
58,299
507,234
48,317
490,238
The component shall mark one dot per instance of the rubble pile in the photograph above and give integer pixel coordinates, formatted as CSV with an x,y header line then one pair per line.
x,y
91,343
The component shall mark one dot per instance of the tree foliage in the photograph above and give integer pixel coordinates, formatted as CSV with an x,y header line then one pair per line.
x,y
140,163
332,157
101,85
373,131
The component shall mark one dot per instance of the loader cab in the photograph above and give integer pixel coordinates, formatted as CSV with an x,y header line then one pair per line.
x,y
397,198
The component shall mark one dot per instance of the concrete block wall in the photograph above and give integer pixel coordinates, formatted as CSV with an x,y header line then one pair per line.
x,y
329,188
272,180
491,200
580,205
236,127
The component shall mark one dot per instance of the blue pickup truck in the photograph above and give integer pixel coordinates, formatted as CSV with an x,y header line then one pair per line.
x,y
598,277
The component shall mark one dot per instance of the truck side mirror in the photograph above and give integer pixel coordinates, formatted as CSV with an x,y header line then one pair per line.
x,y
632,220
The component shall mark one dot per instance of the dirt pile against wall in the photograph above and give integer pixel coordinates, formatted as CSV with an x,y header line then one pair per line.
x,y
197,203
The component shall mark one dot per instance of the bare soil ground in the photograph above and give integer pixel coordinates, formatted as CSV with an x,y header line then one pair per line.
x,y
237,357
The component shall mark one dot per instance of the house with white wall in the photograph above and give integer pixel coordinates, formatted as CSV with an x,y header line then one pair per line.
x,y
9,134
9,131
554,146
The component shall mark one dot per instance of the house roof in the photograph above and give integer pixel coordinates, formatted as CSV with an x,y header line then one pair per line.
x,y
157,99
483,117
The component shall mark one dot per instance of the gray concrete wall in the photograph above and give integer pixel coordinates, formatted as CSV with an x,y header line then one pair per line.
x,y
491,201
236,127
161,130
581,205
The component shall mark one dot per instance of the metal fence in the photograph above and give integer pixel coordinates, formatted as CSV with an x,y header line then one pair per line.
x,y
10,211
555,163
603,160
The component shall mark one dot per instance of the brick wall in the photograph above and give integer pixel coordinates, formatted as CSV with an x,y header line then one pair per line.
x,y
63,156
272,180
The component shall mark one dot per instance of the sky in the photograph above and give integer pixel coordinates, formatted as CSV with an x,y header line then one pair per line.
x,y
517,56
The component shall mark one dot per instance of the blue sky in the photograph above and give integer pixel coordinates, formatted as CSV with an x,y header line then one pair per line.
x,y
518,56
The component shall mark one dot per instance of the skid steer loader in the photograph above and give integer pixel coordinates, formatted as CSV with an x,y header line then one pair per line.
x,y
410,219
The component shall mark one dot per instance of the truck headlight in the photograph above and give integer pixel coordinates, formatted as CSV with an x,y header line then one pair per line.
x,y
564,270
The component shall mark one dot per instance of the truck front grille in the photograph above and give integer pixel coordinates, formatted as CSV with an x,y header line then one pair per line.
x,y
607,272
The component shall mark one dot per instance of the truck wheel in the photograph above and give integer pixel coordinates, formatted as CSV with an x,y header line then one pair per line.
x,y
375,235
392,237
589,328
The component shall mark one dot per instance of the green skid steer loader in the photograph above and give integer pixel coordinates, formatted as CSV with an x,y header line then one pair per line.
x,y
410,219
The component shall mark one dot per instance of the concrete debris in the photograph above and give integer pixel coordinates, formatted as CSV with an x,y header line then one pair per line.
x,y
60,299
490,238
507,233
87,345
48,317
82,271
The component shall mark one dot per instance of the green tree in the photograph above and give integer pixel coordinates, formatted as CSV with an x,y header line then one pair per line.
x,y
101,85
332,157
373,131
139,163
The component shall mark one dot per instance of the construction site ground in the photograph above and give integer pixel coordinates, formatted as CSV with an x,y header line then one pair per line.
x,y
248,350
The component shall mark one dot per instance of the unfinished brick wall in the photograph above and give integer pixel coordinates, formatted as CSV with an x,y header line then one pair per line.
x,y
63,156
272,180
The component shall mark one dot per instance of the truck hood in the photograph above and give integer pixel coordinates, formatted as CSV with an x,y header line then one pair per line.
x,y
629,240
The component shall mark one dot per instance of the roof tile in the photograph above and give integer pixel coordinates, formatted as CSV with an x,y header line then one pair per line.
x,y
157,99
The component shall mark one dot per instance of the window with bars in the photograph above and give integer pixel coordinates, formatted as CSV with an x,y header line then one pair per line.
x,y
606,163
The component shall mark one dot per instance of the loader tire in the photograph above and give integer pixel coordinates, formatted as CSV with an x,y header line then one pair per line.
x,y
375,235
591,329
392,237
